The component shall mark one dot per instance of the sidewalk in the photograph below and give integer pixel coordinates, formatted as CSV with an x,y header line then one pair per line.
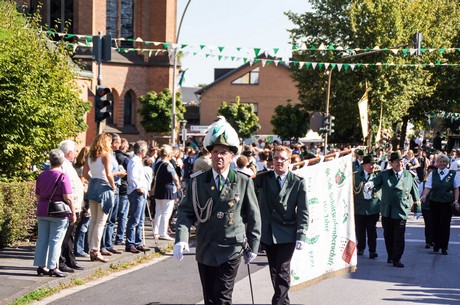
x,y
18,276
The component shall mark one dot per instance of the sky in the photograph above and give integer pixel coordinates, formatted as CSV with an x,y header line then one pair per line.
x,y
230,24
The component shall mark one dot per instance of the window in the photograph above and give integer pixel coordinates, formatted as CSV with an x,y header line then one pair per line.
x,y
120,20
56,13
250,78
128,109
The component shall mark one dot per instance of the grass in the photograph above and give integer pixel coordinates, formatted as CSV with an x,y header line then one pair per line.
x,y
42,293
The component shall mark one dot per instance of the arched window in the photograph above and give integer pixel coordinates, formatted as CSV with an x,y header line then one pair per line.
x,y
128,109
120,20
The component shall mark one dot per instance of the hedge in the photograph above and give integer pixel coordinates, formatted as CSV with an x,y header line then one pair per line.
x,y
17,212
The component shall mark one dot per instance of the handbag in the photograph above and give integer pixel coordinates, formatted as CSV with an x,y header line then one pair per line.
x,y
58,208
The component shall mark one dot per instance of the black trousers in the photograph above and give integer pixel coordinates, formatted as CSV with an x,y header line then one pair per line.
x,y
366,224
279,261
218,282
427,219
441,215
393,233
67,255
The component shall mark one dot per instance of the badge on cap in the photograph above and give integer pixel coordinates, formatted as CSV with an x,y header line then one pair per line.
x,y
220,215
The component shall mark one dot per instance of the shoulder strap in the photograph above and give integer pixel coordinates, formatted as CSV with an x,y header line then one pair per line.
x,y
55,186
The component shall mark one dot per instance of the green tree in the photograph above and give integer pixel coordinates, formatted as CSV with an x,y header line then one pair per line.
x,y
402,91
39,96
156,111
240,116
290,122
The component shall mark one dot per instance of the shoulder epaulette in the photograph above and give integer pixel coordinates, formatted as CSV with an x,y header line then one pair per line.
x,y
196,174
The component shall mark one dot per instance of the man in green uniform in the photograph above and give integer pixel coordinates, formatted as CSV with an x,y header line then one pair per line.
x,y
223,205
399,193
367,209
284,211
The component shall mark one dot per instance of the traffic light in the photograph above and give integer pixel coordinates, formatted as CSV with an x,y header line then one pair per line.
x,y
327,124
102,103
417,40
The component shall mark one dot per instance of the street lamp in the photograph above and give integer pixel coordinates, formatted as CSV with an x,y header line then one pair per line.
x,y
174,91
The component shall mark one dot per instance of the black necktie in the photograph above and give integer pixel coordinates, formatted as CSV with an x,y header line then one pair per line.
x,y
441,172
279,182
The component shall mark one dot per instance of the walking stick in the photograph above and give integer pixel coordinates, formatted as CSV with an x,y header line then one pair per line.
x,y
250,285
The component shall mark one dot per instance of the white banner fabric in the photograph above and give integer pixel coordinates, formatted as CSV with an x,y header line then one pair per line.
x,y
363,115
331,241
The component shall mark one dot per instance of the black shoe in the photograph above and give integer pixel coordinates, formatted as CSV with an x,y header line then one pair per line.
x,y
373,255
389,261
64,268
444,252
427,246
42,271
77,267
398,264
143,249
435,249
360,252
132,249
57,273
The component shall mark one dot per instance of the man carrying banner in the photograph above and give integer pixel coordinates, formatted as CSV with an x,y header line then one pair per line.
x,y
222,204
367,209
399,193
283,207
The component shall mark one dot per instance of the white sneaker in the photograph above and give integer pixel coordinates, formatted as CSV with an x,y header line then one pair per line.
x,y
166,238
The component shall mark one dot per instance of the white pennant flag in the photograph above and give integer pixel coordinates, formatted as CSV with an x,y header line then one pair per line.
x,y
313,65
264,61
301,64
326,65
352,66
276,61
339,67
363,114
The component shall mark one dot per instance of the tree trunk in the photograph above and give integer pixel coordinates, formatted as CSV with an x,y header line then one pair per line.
x,y
405,120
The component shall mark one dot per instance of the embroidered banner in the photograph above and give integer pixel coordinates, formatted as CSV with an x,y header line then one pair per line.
x,y
331,241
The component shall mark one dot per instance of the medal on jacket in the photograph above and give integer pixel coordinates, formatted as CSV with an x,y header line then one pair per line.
x,y
230,215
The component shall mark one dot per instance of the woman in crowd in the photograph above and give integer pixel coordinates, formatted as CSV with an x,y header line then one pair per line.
x,y
412,163
442,185
81,239
426,213
51,230
100,191
166,190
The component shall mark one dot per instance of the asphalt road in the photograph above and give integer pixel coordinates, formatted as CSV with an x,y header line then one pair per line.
x,y
428,278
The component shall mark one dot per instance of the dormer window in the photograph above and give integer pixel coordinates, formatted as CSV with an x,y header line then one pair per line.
x,y
250,78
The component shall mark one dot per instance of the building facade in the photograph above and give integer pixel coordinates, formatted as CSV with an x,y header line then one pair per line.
x,y
264,86
129,74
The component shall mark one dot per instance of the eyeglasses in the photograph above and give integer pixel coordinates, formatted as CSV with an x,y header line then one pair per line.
x,y
279,159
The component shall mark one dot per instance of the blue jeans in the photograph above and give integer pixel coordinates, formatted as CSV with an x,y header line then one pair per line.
x,y
81,238
107,236
51,231
123,210
135,220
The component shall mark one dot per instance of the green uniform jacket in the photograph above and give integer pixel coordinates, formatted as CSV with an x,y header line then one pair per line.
x,y
397,195
365,206
284,213
234,216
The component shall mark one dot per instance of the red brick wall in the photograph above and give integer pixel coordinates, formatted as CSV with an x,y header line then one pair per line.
x,y
275,88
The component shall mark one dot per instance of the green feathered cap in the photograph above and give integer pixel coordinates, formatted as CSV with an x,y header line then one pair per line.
x,y
221,133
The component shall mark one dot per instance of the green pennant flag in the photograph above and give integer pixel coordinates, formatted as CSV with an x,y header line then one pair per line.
x,y
165,45
346,67
275,50
207,55
333,66
183,46
404,52
245,59
221,49
313,48
269,62
180,53
87,41
320,65
238,49
294,47
202,46
358,65
233,58
257,51
295,62
438,63
441,51
256,60
219,57
331,47
422,50
307,65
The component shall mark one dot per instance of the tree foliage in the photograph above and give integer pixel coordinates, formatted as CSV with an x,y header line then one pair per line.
x,y
156,111
240,116
290,122
39,96
404,92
